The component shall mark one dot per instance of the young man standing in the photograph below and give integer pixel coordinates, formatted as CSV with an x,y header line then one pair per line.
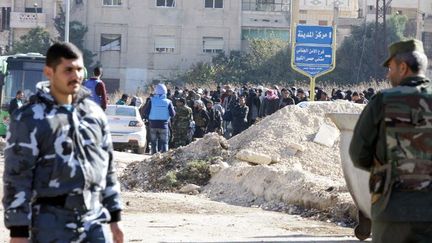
x,y
97,88
16,102
159,112
59,178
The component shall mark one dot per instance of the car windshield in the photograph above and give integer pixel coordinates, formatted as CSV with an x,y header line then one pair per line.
x,y
121,111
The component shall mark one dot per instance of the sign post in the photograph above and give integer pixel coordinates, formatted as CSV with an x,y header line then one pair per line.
x,y
313,52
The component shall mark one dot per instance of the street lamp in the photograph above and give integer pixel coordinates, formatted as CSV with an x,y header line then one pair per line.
x,y
35,5
67,21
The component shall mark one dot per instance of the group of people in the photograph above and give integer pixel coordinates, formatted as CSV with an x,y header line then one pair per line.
x,y
226,111
60,183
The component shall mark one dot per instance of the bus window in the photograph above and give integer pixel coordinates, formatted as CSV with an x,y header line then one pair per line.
x,y
24,80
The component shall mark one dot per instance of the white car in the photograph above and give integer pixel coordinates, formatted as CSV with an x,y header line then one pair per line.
x,y
127,128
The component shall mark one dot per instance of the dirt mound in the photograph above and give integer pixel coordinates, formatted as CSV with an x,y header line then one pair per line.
x,y
169,171
311,178
308,178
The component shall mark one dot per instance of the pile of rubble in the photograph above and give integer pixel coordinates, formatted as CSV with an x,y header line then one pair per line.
x,y
170,171
286,161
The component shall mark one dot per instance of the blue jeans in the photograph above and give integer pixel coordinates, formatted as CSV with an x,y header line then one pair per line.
x,y
159,140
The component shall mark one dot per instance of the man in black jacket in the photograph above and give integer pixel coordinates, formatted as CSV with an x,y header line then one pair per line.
x,y
16,102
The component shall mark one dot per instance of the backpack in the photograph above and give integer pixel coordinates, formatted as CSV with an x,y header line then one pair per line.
x,y
408,130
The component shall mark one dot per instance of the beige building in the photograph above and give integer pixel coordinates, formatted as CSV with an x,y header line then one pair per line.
x,y
139,42
17,17
265,19
324,12
419,13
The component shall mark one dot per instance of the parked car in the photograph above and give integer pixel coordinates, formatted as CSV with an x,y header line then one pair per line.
x,y
127,128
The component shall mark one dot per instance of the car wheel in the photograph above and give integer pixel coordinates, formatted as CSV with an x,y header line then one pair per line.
x,y
140,150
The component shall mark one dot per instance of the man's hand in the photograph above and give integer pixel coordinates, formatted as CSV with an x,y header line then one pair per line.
x,y
117,232
19,240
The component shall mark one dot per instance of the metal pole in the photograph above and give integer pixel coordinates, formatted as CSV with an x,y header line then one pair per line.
x,y
419,21
35,5
312,89
295,9
67,21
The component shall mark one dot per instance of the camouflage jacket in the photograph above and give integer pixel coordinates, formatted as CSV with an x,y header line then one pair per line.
x,y
373,140
53,150
183,118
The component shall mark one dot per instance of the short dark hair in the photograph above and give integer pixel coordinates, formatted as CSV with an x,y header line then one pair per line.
x,y
19,92
61,50
97,71
416,61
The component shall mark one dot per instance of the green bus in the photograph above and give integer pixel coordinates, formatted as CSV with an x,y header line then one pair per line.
x,y
18,72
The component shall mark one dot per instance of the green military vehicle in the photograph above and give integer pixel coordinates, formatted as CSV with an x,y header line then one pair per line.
x,y
18,72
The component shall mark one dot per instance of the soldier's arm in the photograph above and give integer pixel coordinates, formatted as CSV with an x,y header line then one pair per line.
x,y
363,144
111,194
21,153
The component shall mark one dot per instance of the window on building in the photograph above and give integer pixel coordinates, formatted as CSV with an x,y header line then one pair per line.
x,y
33,6
265,33
164,44
110,42
213,44
112,2
266,5
112,85
302,21
303,11
5,18
213,3
165,3
322,22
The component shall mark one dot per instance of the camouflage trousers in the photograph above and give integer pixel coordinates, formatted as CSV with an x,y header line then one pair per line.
x,y
395,232
55,224
181,137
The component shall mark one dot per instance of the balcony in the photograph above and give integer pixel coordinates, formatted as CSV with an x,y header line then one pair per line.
x,y
28,20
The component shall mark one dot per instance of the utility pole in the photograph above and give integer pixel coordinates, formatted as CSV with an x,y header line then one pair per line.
x,y
380,31
35,5
335,13
67,21
295,9
419,21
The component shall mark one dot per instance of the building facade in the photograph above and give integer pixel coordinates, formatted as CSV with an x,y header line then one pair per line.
x,y
17,17
140,42
419,14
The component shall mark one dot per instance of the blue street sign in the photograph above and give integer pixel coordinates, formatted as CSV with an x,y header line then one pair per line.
x,y
312,34
314,70
313,55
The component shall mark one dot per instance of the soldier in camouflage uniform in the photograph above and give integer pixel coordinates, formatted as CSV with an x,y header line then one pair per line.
x,y
393,140
181,124
59,181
